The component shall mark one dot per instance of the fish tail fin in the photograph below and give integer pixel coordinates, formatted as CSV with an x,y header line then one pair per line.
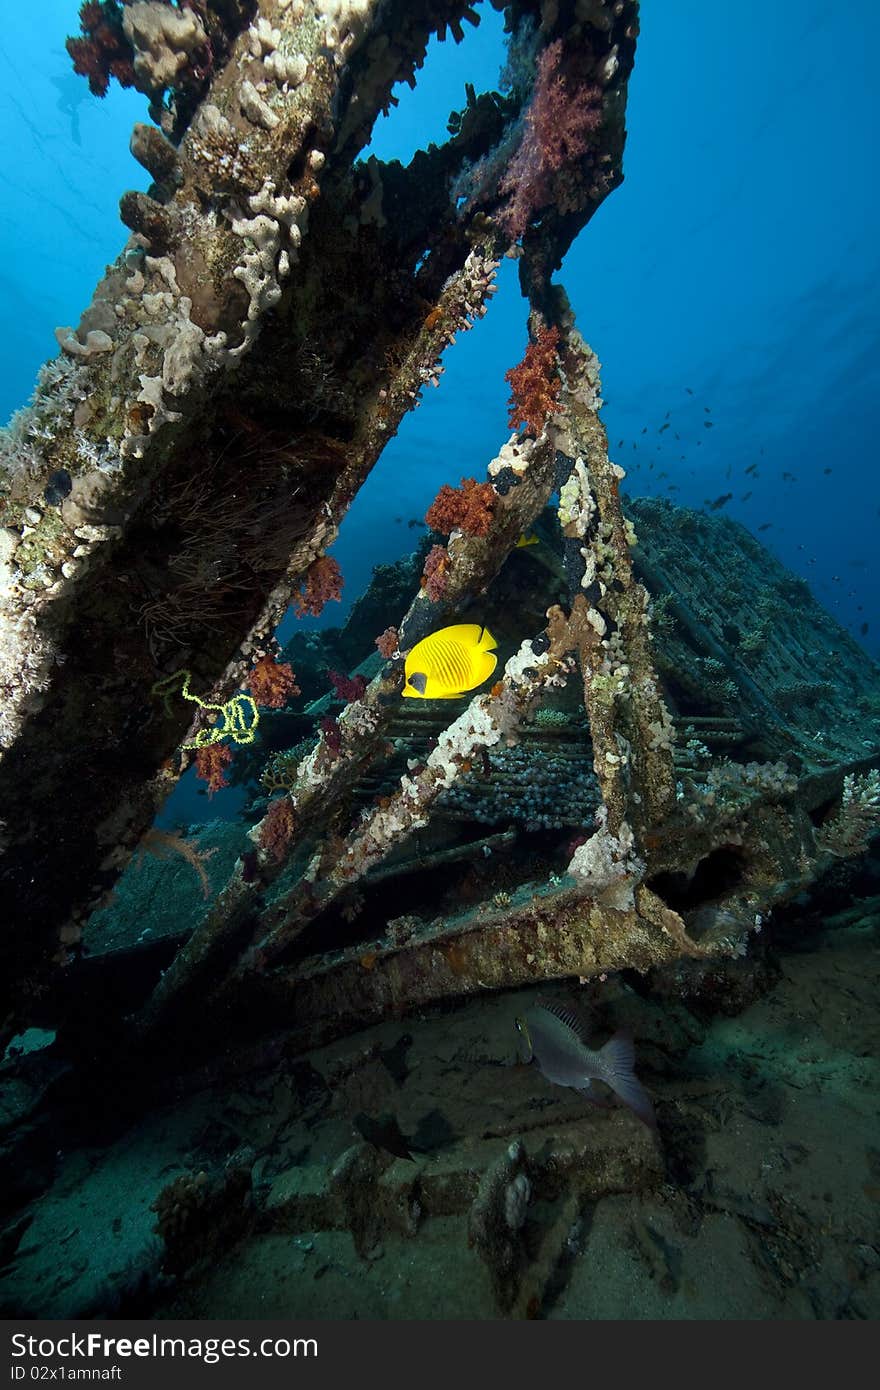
x,y
618,1060
484,665
487,642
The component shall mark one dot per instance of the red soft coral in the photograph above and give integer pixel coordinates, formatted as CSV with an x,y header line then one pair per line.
x,y
535,383
347,687
563,115
323,581
331,733
469,508
103,51
272,684
278,828
211,765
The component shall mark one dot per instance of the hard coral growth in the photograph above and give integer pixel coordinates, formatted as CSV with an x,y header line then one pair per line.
x,y
211,765
565,112
535,383
277,829
467,508
323,581
171,46
856,820
272,684
103,51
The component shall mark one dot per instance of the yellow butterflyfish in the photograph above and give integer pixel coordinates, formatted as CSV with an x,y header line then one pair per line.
x,y
449,662
523,540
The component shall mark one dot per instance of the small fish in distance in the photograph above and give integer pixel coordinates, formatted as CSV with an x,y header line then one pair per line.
x,y
552,1035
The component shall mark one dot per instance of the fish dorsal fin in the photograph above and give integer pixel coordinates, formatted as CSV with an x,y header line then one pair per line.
x,y
567,1016
470,635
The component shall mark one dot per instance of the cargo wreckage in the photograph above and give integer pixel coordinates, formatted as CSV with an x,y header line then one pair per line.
x,y
185,465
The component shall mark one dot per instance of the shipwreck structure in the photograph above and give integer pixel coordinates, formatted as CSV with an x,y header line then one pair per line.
x,y
182,471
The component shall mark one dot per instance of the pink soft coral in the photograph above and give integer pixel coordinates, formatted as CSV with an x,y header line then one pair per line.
x,y
565,111
278,828
323,581
434,578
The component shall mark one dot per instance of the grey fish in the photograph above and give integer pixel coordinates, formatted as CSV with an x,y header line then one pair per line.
x,y
553,1036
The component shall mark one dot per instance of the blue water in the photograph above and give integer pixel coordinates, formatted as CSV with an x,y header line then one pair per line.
x,y
740,259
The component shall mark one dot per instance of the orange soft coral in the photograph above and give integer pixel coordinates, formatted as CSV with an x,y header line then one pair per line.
x,y
468,508
211,765
272,684
535,383
323,581
387,642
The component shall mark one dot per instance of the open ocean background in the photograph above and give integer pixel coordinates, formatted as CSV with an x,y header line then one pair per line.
x,y
739,262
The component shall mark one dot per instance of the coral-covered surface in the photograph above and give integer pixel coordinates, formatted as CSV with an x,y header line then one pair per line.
x,y
535,383
272,683
331,733
467,508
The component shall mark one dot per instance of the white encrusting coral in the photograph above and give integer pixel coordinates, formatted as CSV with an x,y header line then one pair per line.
x,y
607,864
255,108
164,41
266,262
576,505
514,455
347,23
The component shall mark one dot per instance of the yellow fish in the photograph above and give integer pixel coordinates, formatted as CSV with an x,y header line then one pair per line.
x,y
523,539
449,662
